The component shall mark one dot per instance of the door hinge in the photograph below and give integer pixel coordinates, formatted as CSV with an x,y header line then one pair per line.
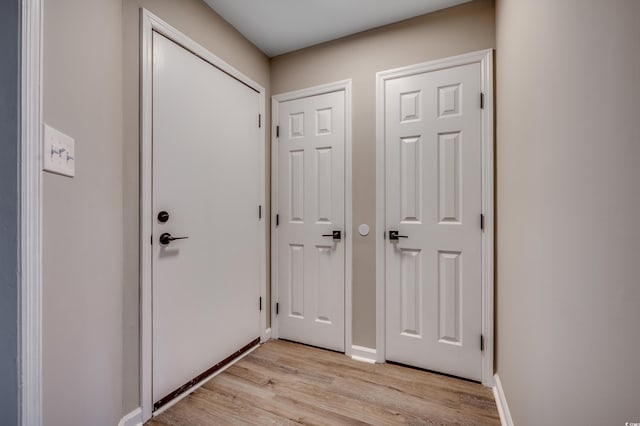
x,y
260,212
260,303
481,342
277,308
482,221
259,120
481,100
277,220
277,131
151,242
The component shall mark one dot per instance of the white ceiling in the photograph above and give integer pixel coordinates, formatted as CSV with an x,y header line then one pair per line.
x,y
281,26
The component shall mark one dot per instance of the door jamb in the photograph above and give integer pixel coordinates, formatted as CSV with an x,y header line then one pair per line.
x,y
148,24
343,85
485,59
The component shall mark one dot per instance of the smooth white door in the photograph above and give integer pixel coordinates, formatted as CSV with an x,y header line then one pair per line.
x,y
206,177
433,199
311,206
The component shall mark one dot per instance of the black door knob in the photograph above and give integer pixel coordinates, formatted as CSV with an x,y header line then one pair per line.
x,y
166,238
395,235
163,216
336,235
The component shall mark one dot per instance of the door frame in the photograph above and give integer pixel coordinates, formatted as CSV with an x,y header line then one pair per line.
x,y
30,237
343,85
148,24
485,59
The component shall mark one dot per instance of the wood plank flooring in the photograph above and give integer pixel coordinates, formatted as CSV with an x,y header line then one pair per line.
x,y
284,383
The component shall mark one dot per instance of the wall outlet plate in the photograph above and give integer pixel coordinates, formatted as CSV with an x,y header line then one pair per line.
x,y
59,152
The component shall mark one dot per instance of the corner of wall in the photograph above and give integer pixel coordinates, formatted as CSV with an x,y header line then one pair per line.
x,y
501,403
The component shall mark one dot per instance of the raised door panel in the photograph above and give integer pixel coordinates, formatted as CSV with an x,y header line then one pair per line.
x,y
296,280
411,293
296,185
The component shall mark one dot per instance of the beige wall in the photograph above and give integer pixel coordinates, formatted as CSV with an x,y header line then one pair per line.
x,y
91,304
567,197
568,243
199,22
453,31
82,217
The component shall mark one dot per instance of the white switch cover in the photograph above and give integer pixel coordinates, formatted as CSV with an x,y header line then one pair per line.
x,y
59,152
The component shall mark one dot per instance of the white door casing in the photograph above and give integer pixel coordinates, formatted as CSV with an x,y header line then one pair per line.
x,y
431,130
207,159
311,203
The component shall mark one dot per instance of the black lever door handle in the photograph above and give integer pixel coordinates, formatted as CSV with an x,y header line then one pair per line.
x,y
166,238
395,235
336,235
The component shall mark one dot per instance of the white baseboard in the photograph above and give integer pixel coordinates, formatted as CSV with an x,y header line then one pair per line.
x,y
501,403
134,418
267,335
361,353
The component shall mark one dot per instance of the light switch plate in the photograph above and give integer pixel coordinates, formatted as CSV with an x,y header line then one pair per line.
x,y
59,152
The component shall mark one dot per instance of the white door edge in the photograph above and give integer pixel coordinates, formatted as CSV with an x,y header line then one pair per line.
x,y
343,85
149,24
485,59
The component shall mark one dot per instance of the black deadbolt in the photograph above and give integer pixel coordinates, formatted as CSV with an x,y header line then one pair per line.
x,y
163,216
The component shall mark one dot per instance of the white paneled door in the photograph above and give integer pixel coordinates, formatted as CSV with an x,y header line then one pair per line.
x,y
311,215
433,220
206,188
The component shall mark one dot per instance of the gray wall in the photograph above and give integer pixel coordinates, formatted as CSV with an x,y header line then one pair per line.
x,y
461,29
9,209
82,217
568,204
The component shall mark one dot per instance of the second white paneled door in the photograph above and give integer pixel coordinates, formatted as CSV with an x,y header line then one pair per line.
x,y
311,220
433,152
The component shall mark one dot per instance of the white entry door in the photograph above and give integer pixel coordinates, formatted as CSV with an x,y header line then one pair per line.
x,y
311,209
433,203
206,180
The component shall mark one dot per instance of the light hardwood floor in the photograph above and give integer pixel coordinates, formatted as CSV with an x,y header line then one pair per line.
x,y
288,383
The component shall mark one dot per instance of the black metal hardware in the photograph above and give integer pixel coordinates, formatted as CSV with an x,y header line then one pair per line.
x,y
395,235
166,238
336,235
277,308
259,120
481,100
481,342
259,212
163,216
277,131
482,222
277,220
260,303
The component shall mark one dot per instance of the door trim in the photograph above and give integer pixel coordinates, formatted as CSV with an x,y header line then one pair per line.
x,y
148,24
30,280
485,59
343,85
